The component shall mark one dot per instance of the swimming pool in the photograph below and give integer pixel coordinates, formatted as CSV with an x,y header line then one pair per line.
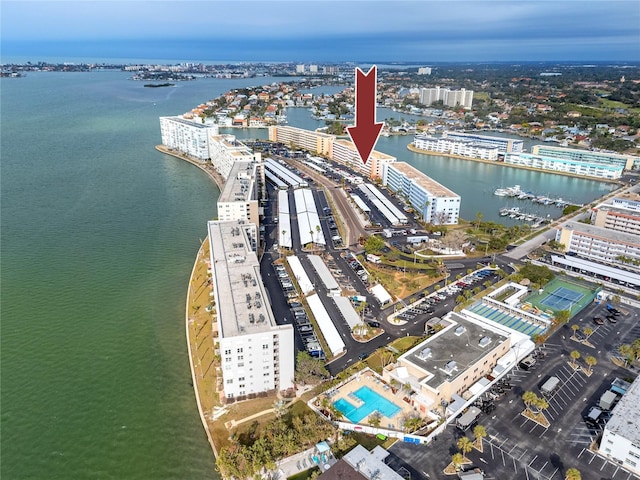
x,y
371,401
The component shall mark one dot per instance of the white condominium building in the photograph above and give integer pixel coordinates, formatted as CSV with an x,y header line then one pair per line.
x,y
239,197
600,244
424,71
463,148
587,156
621,436
620,213
451,98
187,136
315,142
505,145
555,164
225,150
346,153
256,354
437,204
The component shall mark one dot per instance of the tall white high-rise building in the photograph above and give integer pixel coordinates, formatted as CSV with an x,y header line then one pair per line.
x,y
299,68
424,71
187,136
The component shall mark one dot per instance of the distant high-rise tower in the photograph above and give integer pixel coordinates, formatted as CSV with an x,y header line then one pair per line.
x,y
299,68
424,71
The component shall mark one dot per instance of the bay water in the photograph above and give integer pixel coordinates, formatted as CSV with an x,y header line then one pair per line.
x,y
99,232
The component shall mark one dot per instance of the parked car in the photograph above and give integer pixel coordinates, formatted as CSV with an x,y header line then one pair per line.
x,y
598,321
612,319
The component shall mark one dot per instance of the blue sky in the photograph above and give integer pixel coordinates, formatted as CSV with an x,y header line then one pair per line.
x,y
330,30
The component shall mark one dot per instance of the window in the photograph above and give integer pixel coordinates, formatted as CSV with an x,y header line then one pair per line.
x,y
241,379
265,346
240,357
229,381
240,350
227,352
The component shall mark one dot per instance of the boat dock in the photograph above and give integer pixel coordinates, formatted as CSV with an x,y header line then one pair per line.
x,y
518,193
515,212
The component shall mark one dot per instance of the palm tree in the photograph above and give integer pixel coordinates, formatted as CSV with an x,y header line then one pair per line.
x,y
542,404
591,362
529,398
479,433
318,230
575,327
478,220
375,418
457,459
575,355
465,445
588,331
573,474
627,352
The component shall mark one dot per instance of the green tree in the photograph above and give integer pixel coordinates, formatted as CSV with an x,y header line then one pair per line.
x,y
457,459
591,362
374,244
375,419
479,432
309,370
573,474
464,445
562,317
575,327
588,331
575,355
529,398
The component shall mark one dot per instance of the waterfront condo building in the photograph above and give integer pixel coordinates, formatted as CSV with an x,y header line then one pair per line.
x,y
621,436
442,369
346,153
436,203
564,165
239,197
600,244
504,145
620,213
257,355
225,151
187,136
627,162
463,148
451,98
314,142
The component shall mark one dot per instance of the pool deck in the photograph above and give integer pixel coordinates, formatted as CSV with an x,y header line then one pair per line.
x,y
375,383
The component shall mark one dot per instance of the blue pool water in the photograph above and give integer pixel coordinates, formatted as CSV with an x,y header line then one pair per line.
x,y
372,401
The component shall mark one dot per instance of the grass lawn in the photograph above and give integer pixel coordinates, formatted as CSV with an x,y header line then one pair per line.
x,y
605,102
304,475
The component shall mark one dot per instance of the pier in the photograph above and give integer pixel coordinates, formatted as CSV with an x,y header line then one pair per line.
x,y
518,193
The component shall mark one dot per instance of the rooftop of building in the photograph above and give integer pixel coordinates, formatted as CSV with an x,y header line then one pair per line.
x,y
231,145
602,233
581,151
370,464
351,146
302,130
342,471
484,137
625,417
236,278
190,123
587,163
423,180
453,350
239,184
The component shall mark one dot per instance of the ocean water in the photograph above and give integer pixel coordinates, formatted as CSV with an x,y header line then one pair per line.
x,y
98,236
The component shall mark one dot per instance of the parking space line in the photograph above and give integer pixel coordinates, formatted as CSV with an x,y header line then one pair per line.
x,y
604,462
581,452
534,459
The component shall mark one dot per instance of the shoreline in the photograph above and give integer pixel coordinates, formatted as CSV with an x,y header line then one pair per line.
x,y
502,164
219,181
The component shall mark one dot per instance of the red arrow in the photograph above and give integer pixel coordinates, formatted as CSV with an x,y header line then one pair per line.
x,y
366,131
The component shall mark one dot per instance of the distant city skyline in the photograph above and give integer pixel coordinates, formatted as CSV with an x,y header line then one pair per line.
x,y
324,31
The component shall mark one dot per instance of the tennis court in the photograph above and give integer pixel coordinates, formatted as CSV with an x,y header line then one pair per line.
x,y
561,299
563,293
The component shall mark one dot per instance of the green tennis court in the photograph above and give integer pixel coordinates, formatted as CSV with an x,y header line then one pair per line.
x,y
563,293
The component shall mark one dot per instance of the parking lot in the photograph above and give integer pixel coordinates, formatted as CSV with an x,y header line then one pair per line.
x,y
517,447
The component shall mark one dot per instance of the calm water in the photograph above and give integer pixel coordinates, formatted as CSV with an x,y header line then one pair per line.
x,y
99,233
475,182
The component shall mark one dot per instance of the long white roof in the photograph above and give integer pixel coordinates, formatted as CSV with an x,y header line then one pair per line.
x,y
381,294
328,329
284,220
323,272
348,312
300,275
308,219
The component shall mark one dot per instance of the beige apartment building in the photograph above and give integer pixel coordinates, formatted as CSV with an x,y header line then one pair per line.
x,y
443,367
315,142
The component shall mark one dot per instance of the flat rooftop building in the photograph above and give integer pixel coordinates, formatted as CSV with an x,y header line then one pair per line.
x,y
239,197
621,436
450,362
346,153
600,244
187,136
437,204
256,354
627,162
